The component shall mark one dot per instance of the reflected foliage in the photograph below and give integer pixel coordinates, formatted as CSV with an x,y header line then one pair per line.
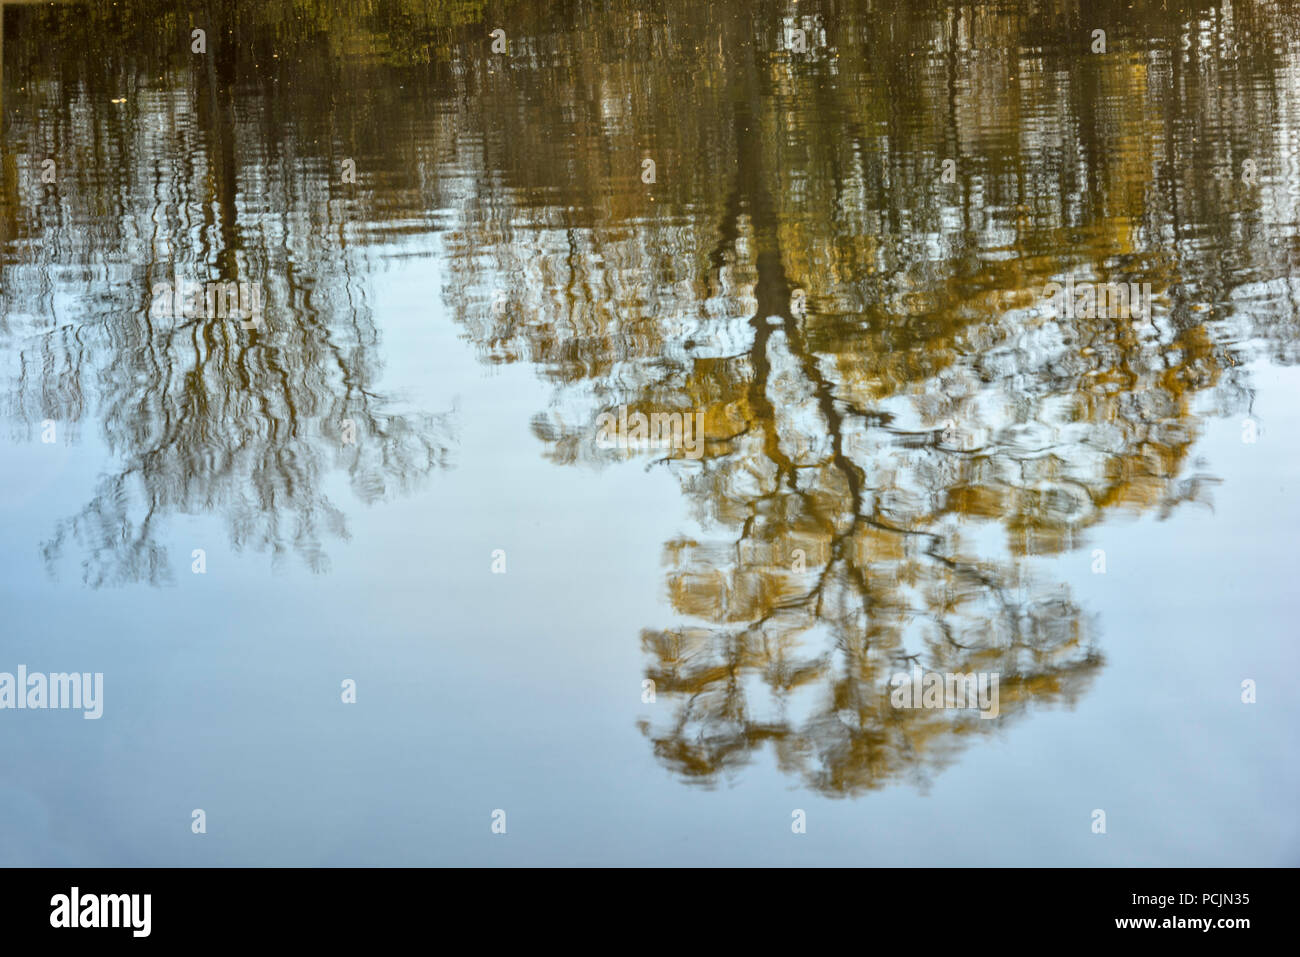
x,y
177,167
904,445
901,436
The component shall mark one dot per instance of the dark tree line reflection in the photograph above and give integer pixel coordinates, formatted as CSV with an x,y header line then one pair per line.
x,y
888,471
173,165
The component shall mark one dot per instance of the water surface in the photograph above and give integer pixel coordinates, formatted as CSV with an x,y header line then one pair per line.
x,y
826,229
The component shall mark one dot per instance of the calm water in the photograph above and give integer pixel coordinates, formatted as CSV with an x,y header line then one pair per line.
x,y
825,229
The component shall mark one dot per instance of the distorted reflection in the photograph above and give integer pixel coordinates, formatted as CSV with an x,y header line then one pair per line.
x,y
162,185
882,378
839,259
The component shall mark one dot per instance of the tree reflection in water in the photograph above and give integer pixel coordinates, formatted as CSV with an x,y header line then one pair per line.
x,y
891,467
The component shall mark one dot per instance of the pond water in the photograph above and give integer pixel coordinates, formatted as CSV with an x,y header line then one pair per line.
x,y
311,312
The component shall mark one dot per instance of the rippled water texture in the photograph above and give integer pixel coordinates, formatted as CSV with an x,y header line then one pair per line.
x,y
310,320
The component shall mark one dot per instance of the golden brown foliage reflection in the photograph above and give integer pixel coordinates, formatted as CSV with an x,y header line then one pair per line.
x,y
890,469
